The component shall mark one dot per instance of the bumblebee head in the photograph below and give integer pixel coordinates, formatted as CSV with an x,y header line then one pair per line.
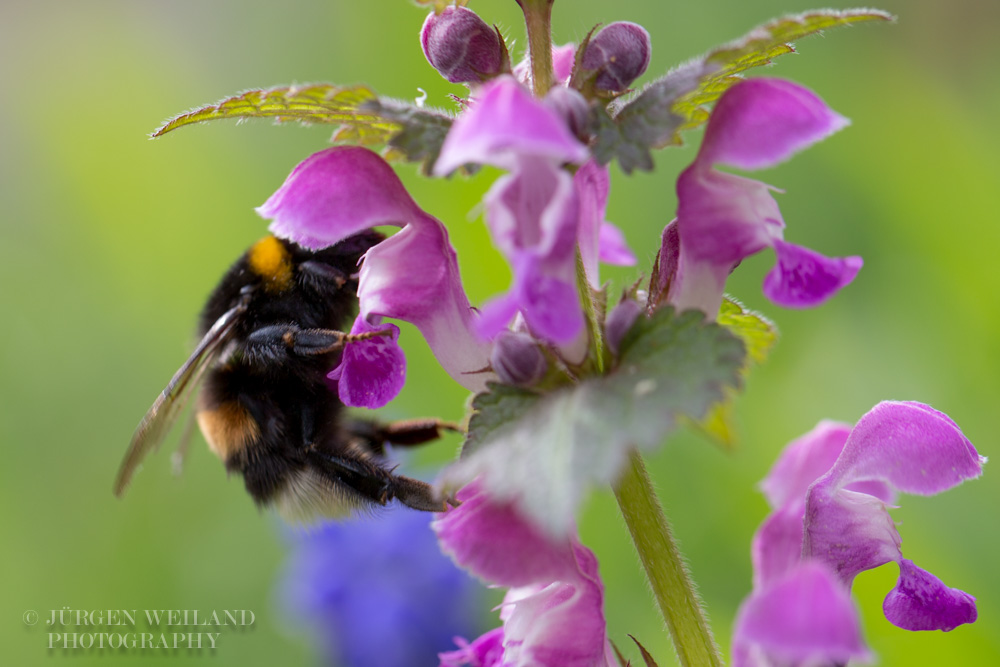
x,y
271,261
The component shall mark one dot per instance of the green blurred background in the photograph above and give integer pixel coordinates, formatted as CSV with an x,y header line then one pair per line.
x,y
110,242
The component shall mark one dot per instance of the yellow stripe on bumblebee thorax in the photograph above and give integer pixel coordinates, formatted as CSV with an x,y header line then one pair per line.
x,y
270,260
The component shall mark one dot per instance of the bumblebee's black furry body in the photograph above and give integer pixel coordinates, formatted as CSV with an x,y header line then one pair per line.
x,y
271,332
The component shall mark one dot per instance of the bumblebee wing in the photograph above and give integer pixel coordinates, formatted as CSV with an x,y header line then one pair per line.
x,y
168,405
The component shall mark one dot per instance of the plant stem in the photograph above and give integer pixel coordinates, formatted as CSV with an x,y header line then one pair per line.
x,y
538,19
590,313
668,577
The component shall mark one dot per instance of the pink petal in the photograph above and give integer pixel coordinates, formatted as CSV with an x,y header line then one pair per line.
x,y
562,65
803,278
910,446
371,372
505,122
486,651
533,214
776,548
413,276
848,531
496,314
723,218
920,601
562,61
550,305
558,624
494,542
761,122
803,461
592,184
804,618
336,193
614,248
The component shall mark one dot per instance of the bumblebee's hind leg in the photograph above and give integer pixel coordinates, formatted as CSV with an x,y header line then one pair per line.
x,y
373,482
403,433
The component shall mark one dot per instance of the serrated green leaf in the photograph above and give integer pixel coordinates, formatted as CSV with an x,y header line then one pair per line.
x,y
421,131
759,335
545,452
493,410
410,132
314,103
656,116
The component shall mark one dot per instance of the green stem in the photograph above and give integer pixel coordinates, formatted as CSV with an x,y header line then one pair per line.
x,y
668,577
538,19
590,313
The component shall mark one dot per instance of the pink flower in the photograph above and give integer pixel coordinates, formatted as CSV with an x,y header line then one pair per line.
x,y
723,218
538,212
412,275
831,491
553,611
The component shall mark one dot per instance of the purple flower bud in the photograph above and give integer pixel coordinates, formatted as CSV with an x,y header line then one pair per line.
x,y
619,53
461,46
517,360
619,321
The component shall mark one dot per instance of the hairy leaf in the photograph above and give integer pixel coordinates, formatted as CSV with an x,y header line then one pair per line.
x,y
545,451
494,409
655,117
421,131
758,335
313,103
413,133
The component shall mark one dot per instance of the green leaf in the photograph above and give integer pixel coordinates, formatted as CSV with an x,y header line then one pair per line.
x,y
314,103
494,409
421,131
411,132
759,335
655,117
545,451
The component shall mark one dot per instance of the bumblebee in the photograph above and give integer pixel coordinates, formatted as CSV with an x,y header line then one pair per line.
x,y
270,332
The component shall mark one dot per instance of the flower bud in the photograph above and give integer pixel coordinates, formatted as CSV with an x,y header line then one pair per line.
x,y
517,360
462,47
619,321
619,53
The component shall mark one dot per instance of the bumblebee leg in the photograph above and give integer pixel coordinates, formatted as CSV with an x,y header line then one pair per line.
x,y
403,433
374,482
278,341
323,274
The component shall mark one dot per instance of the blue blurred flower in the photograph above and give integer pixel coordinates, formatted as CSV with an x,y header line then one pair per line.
x,y
376,590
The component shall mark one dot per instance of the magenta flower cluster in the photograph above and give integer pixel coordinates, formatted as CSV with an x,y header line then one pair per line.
x,y
830,491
